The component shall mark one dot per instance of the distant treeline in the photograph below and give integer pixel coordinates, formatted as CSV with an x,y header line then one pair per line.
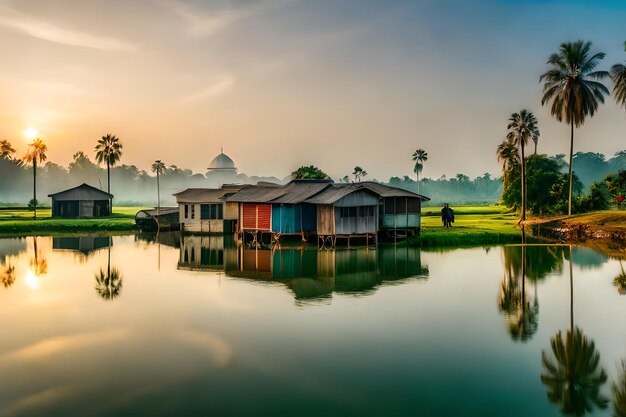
x,y
593,167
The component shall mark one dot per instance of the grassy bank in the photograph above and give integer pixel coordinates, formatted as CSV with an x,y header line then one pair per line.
x,y
473,226
19,221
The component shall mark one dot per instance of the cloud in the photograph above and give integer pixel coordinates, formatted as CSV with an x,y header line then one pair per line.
x,y
52,33
219,87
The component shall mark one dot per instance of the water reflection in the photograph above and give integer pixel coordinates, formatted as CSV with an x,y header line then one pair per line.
x,y
618,390
7,275
574,378
38,261
309,273
620,280
109,282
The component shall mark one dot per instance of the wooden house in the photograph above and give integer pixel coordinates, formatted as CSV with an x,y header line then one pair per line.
x,y
202,210
345,210
399,210
83,201
165,218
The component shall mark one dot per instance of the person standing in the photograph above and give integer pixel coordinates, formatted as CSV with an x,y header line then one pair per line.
x,y
447,216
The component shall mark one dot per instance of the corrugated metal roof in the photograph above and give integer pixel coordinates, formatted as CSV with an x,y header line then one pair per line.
x,y
257,194
336,192
162,212
388,191
202,195
298,191
81,192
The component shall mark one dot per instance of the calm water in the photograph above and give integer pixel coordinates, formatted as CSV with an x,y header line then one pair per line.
x,y
125,326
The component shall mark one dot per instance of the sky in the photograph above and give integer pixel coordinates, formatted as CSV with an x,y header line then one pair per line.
x,y
284,83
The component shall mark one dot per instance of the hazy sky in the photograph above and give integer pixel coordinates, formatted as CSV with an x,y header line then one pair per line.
x,y
281,83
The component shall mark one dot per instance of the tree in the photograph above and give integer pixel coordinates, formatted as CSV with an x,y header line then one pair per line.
x,y
6,150
571,86
522,127
508,155
618,75
36,153
419,157
109,283
619,392
8,277
109,150
158,167
620,280
309,173
359,173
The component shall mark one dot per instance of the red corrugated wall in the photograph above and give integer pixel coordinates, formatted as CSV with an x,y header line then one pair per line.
x,y
257,216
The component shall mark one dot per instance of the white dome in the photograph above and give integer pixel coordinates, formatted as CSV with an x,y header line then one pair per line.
x,y
222,161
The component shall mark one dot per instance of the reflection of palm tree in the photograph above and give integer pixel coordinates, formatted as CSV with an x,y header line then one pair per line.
x,y
38,264
620,281
109,283
619,393
8,278
574,379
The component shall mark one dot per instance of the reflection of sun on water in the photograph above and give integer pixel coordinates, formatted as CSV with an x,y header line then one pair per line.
x,y
31,280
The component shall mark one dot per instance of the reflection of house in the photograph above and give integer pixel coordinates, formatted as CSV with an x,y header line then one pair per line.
x,y
202,253
81,201
202,210
82,244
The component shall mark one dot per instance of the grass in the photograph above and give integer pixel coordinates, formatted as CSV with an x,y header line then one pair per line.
x,y
19,221
473,226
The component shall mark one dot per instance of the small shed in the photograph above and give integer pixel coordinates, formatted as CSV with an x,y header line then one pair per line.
x,y
255,207
346,210
399,209
290,213
202,210
83,201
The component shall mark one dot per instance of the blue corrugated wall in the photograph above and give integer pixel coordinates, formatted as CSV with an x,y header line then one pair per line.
x,y
287,218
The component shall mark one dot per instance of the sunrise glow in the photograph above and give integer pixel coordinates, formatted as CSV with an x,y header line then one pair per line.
x,y
31,133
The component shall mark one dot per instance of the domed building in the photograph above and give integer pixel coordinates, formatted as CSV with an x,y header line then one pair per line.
x,y
222,169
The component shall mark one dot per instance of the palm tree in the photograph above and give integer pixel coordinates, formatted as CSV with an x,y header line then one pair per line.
x,y
6,150
419,156
36,153
8,278
618,75
109,283
158,167
109,150
38,263
571,85
359,173
508,155
620,280
619,393
521,128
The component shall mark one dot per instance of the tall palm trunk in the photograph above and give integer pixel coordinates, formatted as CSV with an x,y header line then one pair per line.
x,y
109,187
535,148
158,219
35,187
523,182
571,292
571,168
417,176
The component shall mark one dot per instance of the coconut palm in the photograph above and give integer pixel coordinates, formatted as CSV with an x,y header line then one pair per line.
x,y
619,393
620,281
109,282
8,277
522,127
574,89
359,173
158,167
574,379
508,155
109,151
6,150
618,75
36,153
38,263
419,156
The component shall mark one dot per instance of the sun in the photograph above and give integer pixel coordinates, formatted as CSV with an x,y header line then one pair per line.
x,y
30,133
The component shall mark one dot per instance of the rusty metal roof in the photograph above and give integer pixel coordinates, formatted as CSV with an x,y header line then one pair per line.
x,y
388,191
257,194
81,192
336,192
202,195
299,191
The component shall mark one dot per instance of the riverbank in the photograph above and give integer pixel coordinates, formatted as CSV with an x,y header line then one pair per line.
x,y
19,222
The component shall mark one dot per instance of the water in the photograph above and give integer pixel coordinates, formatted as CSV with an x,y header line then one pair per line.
x,y
125,326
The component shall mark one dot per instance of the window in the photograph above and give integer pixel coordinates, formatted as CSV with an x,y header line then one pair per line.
x,y
211,211
186,211
413,206
193,211
390,205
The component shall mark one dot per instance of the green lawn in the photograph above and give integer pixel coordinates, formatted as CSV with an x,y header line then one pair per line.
x,y
20,221
473,225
